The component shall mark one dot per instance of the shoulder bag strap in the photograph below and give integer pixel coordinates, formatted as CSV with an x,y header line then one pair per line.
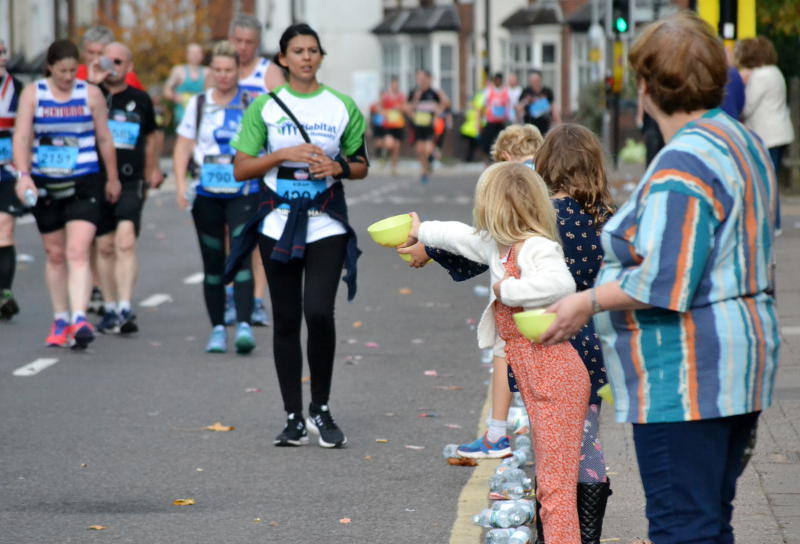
x,y
288,112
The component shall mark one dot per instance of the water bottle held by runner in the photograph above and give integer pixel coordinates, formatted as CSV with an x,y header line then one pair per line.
x,y
30,197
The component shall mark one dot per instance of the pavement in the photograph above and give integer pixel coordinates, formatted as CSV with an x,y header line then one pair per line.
x,y
111,437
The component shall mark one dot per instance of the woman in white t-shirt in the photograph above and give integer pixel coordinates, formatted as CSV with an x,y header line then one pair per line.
x,y
312,142
203,152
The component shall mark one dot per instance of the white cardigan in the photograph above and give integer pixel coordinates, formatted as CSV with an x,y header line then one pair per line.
x,y
765,110
544,276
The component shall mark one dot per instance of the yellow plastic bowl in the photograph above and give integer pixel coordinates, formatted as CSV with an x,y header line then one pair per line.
x,y
392,231
606,394
533,323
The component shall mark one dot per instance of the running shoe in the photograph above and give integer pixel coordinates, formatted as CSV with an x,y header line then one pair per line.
x,y
82,333
259,316
8,306
109,324
423,179
294,434
230,308
245,343
321,422
127,322
481,448
217,340
95,302
59,334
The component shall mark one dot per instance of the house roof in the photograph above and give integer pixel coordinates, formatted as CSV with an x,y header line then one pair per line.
x,y
582,18
537,14
418,20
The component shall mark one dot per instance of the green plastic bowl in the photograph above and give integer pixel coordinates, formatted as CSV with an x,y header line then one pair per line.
x,y
533,323
392,231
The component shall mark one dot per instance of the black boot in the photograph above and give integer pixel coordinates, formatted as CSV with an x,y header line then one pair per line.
x,y
592,500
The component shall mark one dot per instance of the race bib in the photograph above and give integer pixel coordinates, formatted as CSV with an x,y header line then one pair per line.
x,y
125,133
394,119
57,160
498,111
5,151
296,183
539,107
423,118
216,176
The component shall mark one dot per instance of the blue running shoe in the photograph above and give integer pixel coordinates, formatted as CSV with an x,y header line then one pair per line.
x,y
481,448
259,316
217,340
245,343
82,333
109,324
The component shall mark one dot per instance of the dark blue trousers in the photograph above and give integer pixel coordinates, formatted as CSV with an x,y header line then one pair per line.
x,y
689,471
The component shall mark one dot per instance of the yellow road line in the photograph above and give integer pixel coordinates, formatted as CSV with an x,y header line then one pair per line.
x,y
474,496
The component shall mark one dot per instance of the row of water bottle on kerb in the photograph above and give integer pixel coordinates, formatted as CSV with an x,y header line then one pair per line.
x,y
510,487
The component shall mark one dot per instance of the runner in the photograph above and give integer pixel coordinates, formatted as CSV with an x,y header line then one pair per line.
x,y
204,135
132,124
302,247
61,125
94,40
10,206
393,104
186,80
424,105
497,112
257,75
536,104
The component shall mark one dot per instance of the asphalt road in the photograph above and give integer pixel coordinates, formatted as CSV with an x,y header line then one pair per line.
x,y
112,436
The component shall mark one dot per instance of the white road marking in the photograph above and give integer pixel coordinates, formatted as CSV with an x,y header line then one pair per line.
x,y
790,331
31,369
194,279
154,300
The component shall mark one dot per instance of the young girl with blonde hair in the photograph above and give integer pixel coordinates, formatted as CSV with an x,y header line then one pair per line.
x,y
515,234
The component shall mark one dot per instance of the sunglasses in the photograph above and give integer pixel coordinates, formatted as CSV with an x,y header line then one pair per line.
x,y
118,62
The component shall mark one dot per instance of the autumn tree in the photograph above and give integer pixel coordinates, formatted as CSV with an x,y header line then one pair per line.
x,y
779,20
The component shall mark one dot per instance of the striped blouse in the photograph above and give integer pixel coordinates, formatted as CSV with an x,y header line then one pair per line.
x,y
695,241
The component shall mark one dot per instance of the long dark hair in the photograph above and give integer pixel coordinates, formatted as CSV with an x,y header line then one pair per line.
x,y
300,29
61,49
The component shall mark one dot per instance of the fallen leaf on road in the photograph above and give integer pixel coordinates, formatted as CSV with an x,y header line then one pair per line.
x,y
352,341
381,441
155,344
449,387
405,291
305,379
411,509
471,321
97,527
345,521
462,462
198,469
389,414
412,447
452,425
373,345
220,428
417,341
358,324
252,390
367,458
427,414
273,524
183,502
257,520
431,373
84,465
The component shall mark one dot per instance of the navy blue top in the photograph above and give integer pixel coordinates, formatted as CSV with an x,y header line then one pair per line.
x,y
733,100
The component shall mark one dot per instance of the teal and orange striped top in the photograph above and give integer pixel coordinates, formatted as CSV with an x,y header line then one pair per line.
x,y
695,241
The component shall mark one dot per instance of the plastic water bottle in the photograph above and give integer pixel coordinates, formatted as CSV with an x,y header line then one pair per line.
x,y
523,442
505,514
525,508
516,399
518,458
450,450
511,535
30,197
517,419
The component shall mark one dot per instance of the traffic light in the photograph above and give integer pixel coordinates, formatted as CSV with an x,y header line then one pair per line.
x,y
620,13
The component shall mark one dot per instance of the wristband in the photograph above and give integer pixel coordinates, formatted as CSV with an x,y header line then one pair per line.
x,y
20,173
345,167
596,308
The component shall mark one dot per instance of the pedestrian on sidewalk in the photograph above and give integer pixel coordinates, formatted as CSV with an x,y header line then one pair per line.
x,y
683,303
515,234
314,137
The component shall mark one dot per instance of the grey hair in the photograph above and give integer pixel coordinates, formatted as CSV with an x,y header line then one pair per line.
x,y
97,34
244,20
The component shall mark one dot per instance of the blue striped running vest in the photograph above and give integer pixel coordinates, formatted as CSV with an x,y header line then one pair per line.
x,y
254,83
64,141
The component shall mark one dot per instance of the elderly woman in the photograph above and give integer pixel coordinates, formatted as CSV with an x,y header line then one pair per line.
x,y
683,302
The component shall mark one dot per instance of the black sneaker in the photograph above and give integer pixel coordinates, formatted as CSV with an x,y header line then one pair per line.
x,y
8,306
127,322
294,434
109,324
320,421
95,302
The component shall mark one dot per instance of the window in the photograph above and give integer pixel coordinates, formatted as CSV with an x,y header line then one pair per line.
x,y
550,66
447,71
520,58
420,60
391,63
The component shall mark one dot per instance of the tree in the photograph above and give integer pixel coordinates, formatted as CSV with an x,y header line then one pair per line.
x,y
779,20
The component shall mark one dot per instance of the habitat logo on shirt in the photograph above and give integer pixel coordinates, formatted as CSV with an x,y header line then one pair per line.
x,y
286,127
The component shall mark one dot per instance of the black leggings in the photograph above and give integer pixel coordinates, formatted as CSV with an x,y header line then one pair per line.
x,y
292,296
211,216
